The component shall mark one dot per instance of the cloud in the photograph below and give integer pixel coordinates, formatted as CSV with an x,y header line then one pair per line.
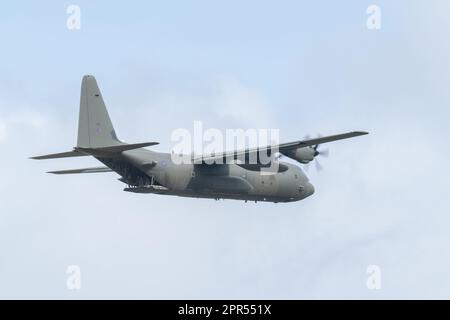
x,y
218,101
3,130
21,118
241,104
380,199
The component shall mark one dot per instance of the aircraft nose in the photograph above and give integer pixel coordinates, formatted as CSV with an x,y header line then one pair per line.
x,y
309,190
306,190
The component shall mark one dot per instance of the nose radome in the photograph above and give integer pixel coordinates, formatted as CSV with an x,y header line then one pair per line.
x,y
309,189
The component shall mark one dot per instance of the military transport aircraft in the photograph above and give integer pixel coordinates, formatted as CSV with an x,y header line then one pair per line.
x,y
145,171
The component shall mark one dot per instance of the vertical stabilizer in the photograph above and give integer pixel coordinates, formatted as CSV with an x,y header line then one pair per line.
x,y
94,127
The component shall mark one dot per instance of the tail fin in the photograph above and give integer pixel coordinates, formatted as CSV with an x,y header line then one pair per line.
x,y
94,127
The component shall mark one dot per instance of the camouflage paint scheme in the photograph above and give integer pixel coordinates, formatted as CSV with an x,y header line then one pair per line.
x,y
145,171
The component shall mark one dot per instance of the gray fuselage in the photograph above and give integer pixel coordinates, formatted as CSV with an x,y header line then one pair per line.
x,y
216,181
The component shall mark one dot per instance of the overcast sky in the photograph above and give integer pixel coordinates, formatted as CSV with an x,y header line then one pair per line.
x,y
300,66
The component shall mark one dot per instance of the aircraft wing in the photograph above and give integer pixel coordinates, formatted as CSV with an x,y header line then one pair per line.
x,y
82,170
284,147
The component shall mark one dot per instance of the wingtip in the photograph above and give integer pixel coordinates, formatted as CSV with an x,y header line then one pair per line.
x,y
150,144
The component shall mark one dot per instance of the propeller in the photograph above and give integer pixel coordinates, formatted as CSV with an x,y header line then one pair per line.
x,y
324,153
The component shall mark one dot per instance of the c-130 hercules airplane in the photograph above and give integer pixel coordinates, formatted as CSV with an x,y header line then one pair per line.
x,y
146,171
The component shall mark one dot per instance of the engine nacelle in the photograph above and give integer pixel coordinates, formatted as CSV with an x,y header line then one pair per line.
x,y
302,155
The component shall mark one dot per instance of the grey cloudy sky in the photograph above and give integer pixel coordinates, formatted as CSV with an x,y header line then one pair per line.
x,y
298,66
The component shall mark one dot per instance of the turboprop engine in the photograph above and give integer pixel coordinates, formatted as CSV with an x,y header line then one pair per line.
x,y
302,155
307,154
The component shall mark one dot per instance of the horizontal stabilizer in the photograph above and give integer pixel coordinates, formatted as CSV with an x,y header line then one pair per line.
x,y
116,149
101,152
82,170
60,155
